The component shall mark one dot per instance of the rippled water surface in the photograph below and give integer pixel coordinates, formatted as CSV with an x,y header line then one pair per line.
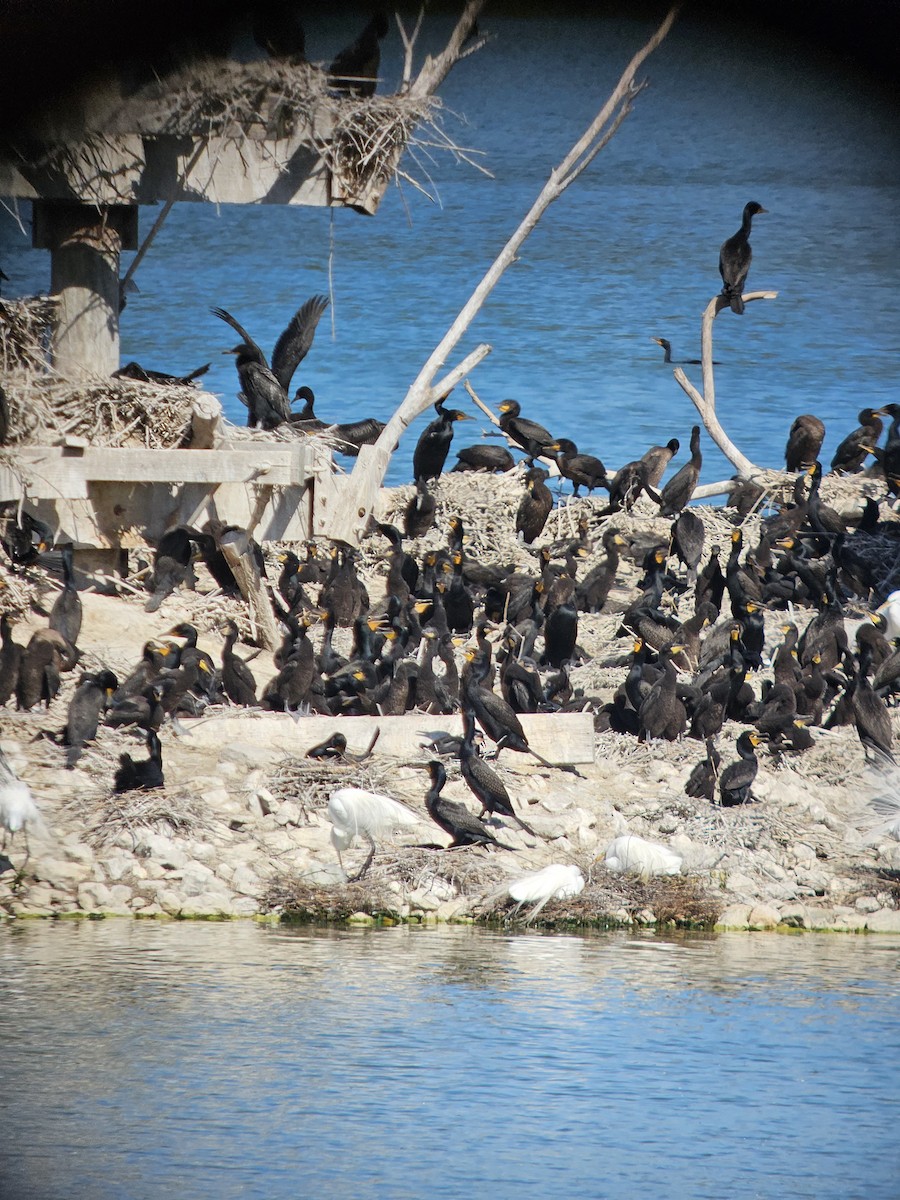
x,y
189,1060
630,251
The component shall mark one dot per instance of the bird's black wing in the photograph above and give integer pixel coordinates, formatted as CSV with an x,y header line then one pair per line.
x,y
293,345
225,316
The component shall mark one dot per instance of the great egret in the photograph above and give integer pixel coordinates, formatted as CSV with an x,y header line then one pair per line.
x,y
17,807
558,881
633,855
890,610
355,812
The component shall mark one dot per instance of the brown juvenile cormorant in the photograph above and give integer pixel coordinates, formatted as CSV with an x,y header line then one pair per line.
x,y
354,70
463,826
433,445
10,658
804,442
702,779
678,491
483,457
65,615
657,458
627,485
851,453
592,591
662,714
736,781
584,470
237,678
534,507
531,436
418,516
734,258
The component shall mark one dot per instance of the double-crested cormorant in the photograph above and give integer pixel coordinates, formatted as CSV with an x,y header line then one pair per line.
x,y
265,388
627,485
688,535
592,591
92,695
734,258
237,678
662,713
702,779
134,370
463,826
560,634
851,453
171,564
736,781
10,659
65,615
667,357
528,434
418,516
354,70
484,457
657,458
584,470
535,506
145,773
484,783
804,442
433,445
678,491
46,655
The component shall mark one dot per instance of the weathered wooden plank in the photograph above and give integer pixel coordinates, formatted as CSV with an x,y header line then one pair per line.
x,y
565,738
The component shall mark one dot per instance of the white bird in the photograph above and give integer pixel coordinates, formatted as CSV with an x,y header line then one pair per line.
x,y
890,610
17,807
354,812
633,855
558,881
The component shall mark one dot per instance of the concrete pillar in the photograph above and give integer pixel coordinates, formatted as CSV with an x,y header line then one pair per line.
x,y
85,242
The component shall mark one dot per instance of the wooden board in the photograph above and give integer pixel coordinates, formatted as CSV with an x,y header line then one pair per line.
x,y
566,738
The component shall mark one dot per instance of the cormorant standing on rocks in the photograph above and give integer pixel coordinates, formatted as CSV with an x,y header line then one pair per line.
x,y
734,258
141,775
92,695
736,781
463,826
65,615
484,783
237,678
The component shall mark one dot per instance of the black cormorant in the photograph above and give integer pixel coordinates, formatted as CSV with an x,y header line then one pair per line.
x,y
584,470
92,695
851,453
484,457
144,774
484,783
354,70
528,434
65,615
463,826
237,678
433,445
734,258
736,781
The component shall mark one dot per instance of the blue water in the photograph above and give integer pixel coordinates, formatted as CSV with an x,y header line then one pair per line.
x,y
189,1060
627,253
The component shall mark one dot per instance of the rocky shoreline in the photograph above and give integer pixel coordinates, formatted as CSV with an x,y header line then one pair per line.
x,y
240,829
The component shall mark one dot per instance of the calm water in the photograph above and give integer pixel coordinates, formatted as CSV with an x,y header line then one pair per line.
x,y
629,252
150,1060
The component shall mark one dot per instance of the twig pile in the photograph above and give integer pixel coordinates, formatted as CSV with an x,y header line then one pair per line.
x,y
25,329
309,782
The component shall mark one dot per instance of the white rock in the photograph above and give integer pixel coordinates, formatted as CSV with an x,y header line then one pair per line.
x,y
246,881
288,813
161,849
867,904
763,916
886,920
93,895
735,916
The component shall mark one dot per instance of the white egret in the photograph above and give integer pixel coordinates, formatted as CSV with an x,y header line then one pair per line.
x,y
17,807
355,812
633,855
890,610
558,881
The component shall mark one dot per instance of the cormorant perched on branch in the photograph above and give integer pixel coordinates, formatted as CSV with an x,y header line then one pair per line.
x,y
531,436
734,258
433,445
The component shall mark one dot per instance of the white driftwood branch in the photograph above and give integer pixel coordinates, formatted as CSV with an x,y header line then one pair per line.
x,y
435,70
444,386
367,475
705,404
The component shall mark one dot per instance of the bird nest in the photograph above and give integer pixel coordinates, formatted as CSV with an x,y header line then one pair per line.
x,y
309,782
25,330
105,412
